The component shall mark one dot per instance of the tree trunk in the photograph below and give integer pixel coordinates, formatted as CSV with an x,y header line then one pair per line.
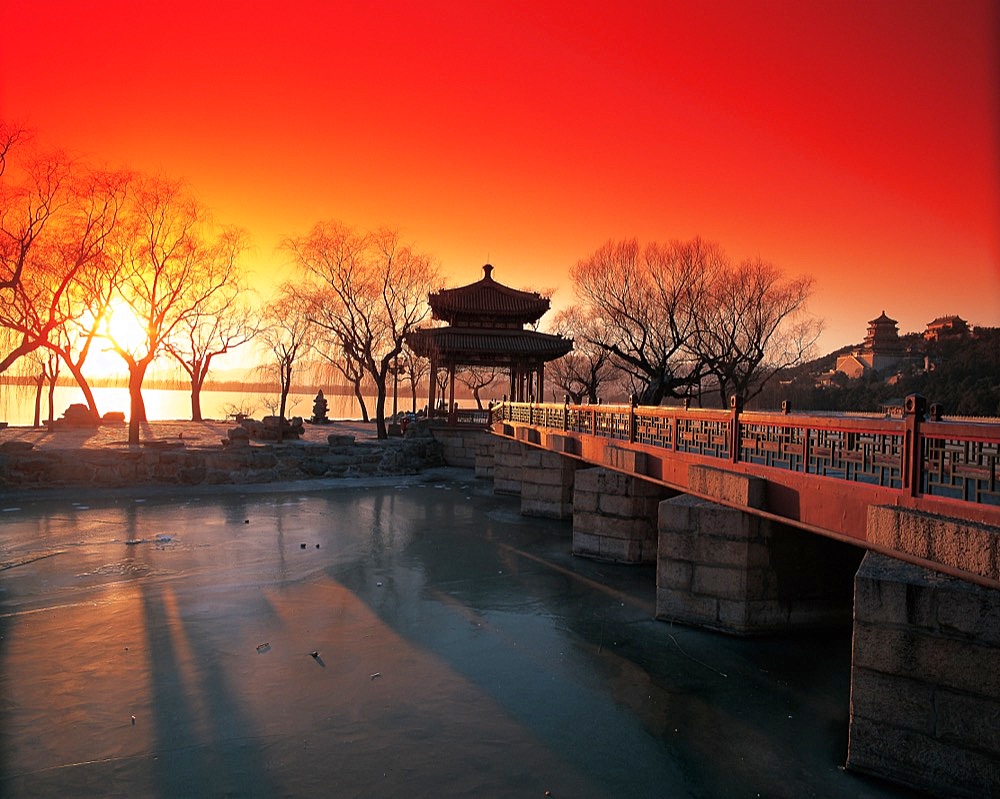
x,y
39,384
52,399
286,386
380,392
137,408
197,374
88,394
195,403
361,401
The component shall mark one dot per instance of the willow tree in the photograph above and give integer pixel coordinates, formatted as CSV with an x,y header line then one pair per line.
x,y
752,323
378,289
34,193
172,263
225,321
288,334
583,371
56,219
641,300
679,316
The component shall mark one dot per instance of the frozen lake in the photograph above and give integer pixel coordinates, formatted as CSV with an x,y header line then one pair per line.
x,y
416,639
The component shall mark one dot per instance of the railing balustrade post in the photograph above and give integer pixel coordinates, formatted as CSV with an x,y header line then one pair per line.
x,y
914,407
631,418
736,435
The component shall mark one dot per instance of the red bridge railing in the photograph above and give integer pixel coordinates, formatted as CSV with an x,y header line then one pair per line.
x,y
947,460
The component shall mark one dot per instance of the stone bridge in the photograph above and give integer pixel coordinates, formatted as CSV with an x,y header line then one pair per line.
x,y
759,523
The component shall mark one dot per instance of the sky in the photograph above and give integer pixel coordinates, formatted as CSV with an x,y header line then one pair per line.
x,y
857,142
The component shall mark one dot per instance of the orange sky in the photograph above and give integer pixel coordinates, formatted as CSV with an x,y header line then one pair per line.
x,y
855,141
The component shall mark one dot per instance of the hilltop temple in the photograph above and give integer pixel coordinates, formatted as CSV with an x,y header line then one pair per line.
x,y
881,352
485,326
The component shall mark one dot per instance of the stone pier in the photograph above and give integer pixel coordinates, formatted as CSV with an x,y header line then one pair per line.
x,y
925,680
725,569
614,516
508,458
547,480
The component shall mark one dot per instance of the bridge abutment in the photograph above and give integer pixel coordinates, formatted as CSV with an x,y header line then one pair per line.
x,y
614,516
925,679
726,569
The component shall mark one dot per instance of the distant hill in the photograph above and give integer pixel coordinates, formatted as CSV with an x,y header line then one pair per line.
x,y
964,377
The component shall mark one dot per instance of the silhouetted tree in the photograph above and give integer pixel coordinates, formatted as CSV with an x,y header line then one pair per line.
x,y
379,289
641,300
476,378
749,324
288,333
583,371
170,265
223,323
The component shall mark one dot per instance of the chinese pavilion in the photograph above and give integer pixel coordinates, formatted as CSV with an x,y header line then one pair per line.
x,y
485,326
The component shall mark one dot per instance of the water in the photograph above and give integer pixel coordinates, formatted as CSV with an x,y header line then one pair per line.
x,y
17,406
161,646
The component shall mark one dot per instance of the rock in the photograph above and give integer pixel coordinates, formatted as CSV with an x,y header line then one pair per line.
x,y
16,446
339,441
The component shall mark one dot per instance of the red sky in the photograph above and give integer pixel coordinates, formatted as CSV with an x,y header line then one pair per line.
x,y
855,141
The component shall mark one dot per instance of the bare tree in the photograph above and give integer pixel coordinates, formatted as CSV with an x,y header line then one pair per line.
x,y
582,372
379,293
751,324
34,191
335,343
642,300
170,265
476,378
415,369
223,323
288,334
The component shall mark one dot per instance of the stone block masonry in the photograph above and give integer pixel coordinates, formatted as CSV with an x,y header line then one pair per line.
x,y
925,680
971,547
547,480
507,462
614,516
725,569
170,463
465,448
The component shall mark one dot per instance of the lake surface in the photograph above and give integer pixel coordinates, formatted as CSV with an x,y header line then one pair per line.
x,y
17,404
403,638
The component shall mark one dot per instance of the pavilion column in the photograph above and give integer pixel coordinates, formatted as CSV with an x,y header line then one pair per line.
x,y
541,383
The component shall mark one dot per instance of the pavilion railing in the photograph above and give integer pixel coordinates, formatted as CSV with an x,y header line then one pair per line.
x,y
955,460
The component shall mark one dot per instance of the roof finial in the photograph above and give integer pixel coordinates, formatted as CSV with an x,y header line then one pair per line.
x,y
487,271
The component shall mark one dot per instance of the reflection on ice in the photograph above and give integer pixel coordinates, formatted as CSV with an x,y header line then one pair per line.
x,y
462,651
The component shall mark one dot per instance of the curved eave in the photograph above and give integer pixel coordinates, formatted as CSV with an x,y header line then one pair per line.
x,y
479,346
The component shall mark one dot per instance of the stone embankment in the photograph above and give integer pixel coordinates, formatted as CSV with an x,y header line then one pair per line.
x,y
29,464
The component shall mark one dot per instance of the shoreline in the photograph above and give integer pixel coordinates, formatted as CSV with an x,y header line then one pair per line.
x,y
193,455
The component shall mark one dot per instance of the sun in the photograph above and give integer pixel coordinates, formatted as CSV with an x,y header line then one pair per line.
x,y
123,329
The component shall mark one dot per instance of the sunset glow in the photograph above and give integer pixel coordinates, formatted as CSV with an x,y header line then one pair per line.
x,y
857,142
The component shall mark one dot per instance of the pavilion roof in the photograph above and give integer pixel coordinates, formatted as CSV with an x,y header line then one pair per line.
x,y
487,301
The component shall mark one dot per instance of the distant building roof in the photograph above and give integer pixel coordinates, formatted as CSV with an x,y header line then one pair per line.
x,y
882,320
945,321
